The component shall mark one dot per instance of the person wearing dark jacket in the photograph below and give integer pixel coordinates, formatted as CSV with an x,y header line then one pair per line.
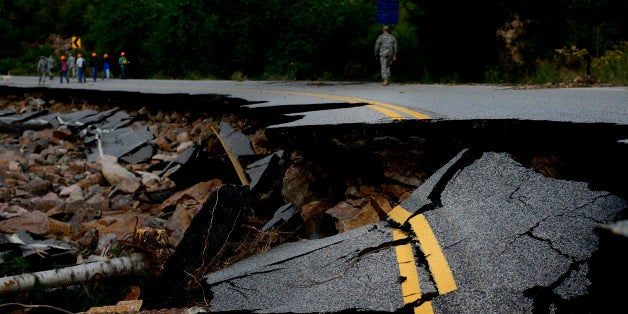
x,y
105,66
93,63
123,62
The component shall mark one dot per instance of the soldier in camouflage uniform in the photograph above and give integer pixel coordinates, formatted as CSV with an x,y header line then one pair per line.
x,y
386,49
51,65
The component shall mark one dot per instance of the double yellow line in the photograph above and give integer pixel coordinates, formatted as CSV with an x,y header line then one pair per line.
x,y
436,261
391,111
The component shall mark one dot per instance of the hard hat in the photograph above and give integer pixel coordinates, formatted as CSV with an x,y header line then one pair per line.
x,y
93,54
105,55
62,57
122,53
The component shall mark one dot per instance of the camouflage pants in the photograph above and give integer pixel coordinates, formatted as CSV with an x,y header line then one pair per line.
x,y
385,62
42,76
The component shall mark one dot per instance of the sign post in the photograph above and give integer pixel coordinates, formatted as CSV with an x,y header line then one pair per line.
x,y
387,11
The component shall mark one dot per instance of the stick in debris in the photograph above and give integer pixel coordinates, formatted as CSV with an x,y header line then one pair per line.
x,y
120,266
234,160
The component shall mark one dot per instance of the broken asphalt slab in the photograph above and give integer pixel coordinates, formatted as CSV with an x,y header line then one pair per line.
x,y
514,239
354,270
204,240
122,142
488,235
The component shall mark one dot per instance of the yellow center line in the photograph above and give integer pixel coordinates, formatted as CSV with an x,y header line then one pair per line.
x,y
391,114
373,104
435,258
399,215
437,263
412,113
410,288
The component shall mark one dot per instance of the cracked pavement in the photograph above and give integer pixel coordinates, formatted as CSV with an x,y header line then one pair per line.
x,y
514,240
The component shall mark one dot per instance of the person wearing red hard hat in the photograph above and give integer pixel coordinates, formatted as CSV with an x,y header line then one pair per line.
x,y
93,63
123,62
64,70
105,66
81,64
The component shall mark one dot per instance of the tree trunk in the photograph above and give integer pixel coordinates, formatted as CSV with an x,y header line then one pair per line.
x,y
125,265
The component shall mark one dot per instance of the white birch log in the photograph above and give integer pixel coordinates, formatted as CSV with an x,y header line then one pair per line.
x,y
72,275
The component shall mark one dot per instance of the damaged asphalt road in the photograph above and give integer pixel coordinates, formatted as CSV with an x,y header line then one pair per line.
x,y
487,215
487,235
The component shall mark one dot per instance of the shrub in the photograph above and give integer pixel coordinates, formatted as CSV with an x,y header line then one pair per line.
x,y
612,66
546,73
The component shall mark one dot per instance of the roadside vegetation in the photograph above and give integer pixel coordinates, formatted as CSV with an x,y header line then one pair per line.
x,y
514,42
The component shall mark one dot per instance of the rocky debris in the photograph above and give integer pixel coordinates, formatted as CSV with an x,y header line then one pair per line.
x,y
104,181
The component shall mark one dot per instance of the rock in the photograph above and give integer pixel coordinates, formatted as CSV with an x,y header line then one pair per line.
x,y
48,202
72,206
114,173
124,228
35,222
349,217
122,202
381,206
92,179
147,177
72,192
183,137
163,143
98,202
187,203
128,186
295,187
60,229
39,187
311,214
14,166
183,146
10,211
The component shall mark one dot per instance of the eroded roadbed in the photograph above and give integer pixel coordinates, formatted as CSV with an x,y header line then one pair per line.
x,y
232,212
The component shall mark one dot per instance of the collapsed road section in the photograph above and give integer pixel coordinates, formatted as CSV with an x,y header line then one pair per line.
x,y
229,211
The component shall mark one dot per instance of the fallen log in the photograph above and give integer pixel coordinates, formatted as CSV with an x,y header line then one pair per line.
x,y
125,265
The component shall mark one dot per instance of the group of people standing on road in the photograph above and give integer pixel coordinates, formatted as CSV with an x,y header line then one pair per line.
x,y
76,67
385,50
